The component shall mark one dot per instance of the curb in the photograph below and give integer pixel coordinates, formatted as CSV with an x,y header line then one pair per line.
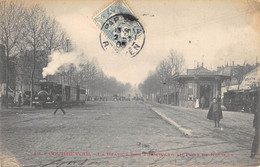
x,y
186,132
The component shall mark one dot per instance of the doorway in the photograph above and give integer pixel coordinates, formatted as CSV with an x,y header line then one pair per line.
x,y
206,91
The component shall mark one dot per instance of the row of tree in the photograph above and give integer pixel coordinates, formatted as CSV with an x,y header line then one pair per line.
x,y
89,75
166,69
29,28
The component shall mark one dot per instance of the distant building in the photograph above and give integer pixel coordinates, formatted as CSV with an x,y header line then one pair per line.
x,y
197,83
24,68
2,70
232,83
2,64
11,72
229,84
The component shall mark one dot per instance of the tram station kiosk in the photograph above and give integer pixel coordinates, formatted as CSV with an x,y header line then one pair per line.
x,y
197,83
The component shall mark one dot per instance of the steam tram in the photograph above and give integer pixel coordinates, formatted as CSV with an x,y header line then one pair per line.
x,y
47,92
240,100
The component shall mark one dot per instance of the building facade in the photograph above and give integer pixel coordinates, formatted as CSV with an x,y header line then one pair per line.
x,y
11,72
198,83
245,72
24,68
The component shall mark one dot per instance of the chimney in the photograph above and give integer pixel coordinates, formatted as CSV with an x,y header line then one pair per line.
x,y
202,64
219,70
198,64
232,69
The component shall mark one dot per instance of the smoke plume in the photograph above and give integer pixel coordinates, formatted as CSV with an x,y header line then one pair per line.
x,y
61,58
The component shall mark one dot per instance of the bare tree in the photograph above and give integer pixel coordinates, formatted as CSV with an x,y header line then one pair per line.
x,y
164,73
176,62
151,85
11,23
35,21
53,35
240,72
167,68
92,73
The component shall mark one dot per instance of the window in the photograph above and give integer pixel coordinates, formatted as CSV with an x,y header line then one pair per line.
x,y
190,89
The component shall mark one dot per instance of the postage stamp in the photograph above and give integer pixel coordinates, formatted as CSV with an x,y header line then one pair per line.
x,y
120,30
115,8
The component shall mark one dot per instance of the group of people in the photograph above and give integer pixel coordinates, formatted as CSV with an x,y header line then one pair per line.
x,y
58,102
12,100
215,113
200,103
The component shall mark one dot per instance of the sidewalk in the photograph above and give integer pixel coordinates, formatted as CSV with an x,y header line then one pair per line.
x,y
196,121
236,127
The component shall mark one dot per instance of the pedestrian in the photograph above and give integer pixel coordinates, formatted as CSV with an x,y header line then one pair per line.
x,y
255,111
59,104
11,100
19,100
2,101
197,103
215,112
202,101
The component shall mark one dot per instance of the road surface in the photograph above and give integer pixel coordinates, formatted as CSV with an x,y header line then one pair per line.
x,y
124,134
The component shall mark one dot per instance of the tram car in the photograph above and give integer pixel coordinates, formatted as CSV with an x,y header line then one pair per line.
x,y
233,100
47,92
240,100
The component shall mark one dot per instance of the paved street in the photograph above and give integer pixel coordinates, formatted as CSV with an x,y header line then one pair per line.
x,y
124,134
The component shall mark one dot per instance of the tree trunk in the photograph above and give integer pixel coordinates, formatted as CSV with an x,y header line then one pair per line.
x,y
32,76
7,79
161,100
167,93
175,94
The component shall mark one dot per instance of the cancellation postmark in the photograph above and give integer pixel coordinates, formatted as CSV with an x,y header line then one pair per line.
x,y
121,32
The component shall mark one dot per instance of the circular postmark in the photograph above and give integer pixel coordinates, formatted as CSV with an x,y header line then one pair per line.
x,y
123,33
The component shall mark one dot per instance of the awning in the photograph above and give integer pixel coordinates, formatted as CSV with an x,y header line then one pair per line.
x,y
251,80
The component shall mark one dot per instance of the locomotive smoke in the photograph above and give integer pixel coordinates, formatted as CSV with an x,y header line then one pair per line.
x,y
61,58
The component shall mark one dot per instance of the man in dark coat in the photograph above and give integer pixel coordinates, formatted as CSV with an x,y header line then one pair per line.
x,y
59,104
202,101
19,100
215,112
255,111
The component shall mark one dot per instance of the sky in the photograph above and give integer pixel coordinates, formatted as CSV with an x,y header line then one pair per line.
x,y
213,32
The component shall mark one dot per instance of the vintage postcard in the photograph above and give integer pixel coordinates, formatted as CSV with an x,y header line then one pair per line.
x,y
129,83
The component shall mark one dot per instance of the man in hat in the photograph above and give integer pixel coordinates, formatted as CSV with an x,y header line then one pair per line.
x,y
202,101
19,100
215,112
59,104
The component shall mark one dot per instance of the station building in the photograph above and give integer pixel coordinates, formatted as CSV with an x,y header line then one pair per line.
x,y
195,84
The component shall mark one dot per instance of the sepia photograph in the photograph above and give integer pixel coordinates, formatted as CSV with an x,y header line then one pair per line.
x,y
129,83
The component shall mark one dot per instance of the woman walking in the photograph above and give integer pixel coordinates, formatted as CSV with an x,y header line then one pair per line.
x,y
215,112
